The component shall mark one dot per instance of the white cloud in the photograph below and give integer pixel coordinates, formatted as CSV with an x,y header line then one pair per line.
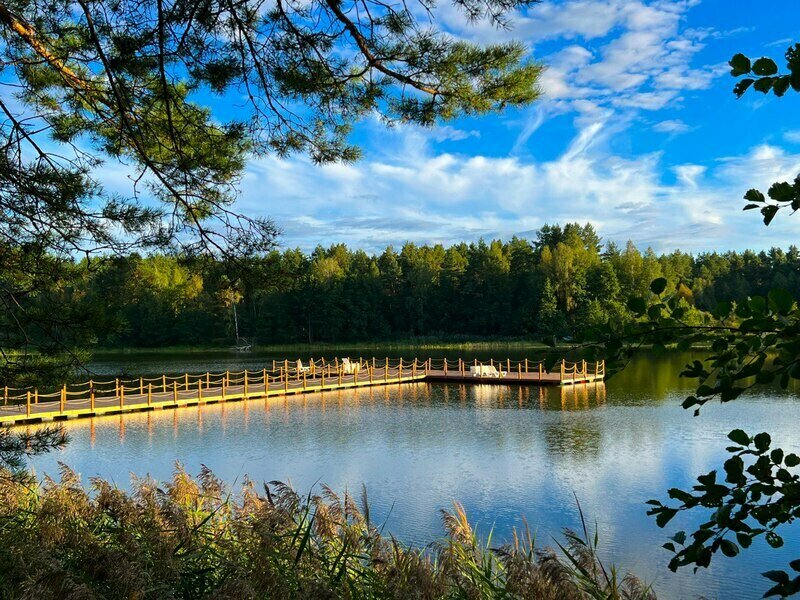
x,y
673,126
425,197
443,133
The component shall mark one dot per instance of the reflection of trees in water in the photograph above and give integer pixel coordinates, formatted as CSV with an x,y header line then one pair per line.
x,y
579,438
648,377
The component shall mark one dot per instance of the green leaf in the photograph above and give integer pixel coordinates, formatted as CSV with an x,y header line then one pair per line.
x,y
762,441
763,85
769,213
781,300
754,195
658,286
781,191
742,86
740,437
728,548
665,515
764,67
740,65
637,305
723,309
791,460
776,576
780,87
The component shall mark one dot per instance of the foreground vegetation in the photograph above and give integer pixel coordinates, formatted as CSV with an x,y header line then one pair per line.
x,y
191,538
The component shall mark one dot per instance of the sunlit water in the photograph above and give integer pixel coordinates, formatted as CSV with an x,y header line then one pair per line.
x,y
506,453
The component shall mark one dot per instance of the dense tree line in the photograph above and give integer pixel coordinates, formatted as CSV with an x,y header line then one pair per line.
x,y
566,279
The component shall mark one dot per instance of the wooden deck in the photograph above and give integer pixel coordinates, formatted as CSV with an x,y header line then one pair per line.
x,y
113,397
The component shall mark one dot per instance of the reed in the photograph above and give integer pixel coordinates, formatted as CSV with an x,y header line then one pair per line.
x,y
193,538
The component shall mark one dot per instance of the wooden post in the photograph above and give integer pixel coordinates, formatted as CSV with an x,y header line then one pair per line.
x,y
149,394
199,391
273,364
476,362
508,366
584,368
264,380
400,365
461,366
526,365
36,396
164,382
355,376
340,376
122,396
286,367
540,371
414,368
63,397
562,371
186,381
175,392
227,380
116,388
322,376
445,366
519,371
141,386
245,383
371,372
305,381
208,380
373,363
5,395
286,382
28,404
400,371
91,395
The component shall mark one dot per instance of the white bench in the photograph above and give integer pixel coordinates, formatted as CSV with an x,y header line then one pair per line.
x,y
485,371
301,368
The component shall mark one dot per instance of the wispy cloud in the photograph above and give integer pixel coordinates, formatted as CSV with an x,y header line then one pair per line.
x,y
672,126
427,197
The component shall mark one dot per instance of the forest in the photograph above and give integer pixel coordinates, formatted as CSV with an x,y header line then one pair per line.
x,y
565,279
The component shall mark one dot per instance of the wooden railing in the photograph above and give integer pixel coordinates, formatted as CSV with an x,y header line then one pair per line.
x,y
288,376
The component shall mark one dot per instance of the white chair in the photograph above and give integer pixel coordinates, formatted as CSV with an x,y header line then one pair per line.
x,y
348,368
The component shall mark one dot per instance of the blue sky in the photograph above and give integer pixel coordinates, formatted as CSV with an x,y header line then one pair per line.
x,y
638,132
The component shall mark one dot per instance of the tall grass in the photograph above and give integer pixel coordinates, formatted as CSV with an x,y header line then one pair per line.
x,y
192,538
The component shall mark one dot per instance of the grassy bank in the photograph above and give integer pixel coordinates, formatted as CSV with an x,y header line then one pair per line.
x,y
191,538
428,344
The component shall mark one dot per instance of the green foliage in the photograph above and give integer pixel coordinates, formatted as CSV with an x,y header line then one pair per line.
x,y
130,83
765,78
758,495
753,342
192,538
515,289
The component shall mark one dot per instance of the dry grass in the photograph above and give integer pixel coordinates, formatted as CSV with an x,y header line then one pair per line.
x,y
191,538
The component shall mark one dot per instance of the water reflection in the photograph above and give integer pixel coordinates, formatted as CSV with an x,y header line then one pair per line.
x,y
506,452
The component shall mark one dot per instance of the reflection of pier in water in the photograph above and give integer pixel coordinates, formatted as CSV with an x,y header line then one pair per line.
x,y
487,397
94,398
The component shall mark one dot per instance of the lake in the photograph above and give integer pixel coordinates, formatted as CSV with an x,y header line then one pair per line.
x,y
507,453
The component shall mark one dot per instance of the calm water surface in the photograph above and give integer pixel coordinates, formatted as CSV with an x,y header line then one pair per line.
x,y
506,453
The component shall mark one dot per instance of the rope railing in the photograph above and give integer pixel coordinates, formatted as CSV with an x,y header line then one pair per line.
x,y
283,377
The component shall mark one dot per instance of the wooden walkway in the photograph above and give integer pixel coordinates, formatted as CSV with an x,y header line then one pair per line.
x,y
290,377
